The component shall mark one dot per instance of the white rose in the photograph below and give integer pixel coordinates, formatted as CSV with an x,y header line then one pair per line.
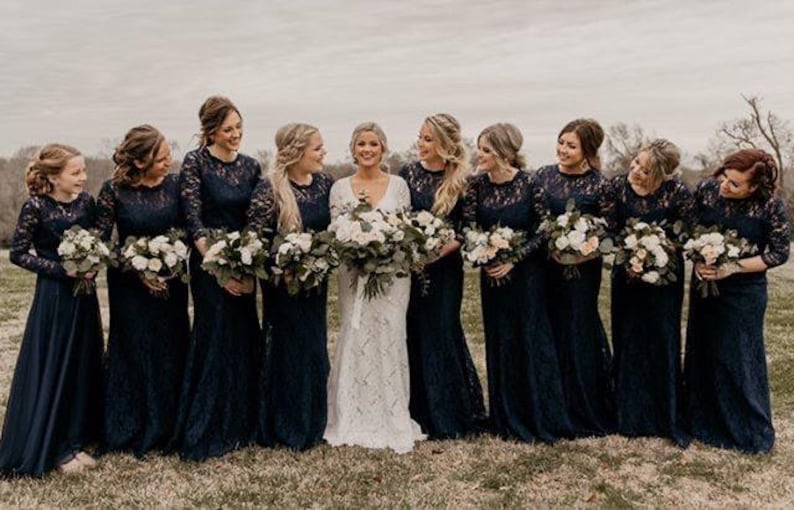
x,y
650,277
576,238
181,249
562,220
66,248
425,218
233,236
86,243
630,241
129,252
155,265
171,260
581,225
661,257
246,257
284,248
733,251
641,225
561,243
139,262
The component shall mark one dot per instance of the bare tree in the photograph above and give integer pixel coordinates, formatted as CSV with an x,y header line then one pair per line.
x,y
762,129
623,143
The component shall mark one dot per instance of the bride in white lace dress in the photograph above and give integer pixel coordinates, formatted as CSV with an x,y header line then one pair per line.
x,y
368,390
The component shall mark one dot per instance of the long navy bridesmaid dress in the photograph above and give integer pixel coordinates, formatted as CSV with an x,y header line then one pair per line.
x,y
646,322
446,396
725,374
294,375
525,392
582,348
148,338
218,402
55,404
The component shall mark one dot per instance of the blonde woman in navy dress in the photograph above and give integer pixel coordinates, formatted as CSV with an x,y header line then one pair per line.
x,y
294,378
54,410
149,325
646,318
219,397
446,397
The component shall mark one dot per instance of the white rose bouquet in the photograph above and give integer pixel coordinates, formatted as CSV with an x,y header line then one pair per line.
x,y
235,255
372,243
572,235
426,234
157,258
83,252
647,253
715,248
302,260
498,245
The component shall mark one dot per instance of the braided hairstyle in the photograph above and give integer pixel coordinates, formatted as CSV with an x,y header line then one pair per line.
x,y
136,154
48,162
291,143
761,164
450,146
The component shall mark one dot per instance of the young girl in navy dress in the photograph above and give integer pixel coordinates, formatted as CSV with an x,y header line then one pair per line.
x,y
149,324
55,405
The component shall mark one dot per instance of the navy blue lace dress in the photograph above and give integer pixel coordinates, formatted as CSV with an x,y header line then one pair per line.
x,y
582,347
646,322
294,376
725,375
149,334
55,403
525,393
446,396
219,394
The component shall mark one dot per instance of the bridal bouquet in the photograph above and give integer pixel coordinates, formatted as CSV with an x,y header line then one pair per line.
x,y
235,255
158,258
647,253
498,245
574,234
714,248
83,252
302,260
372,243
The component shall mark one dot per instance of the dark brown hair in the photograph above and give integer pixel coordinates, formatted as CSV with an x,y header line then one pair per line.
x,y
49,161
591,136
212,114
762,166
140,146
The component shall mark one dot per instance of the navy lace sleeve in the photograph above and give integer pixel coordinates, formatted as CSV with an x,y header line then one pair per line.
x,y
106,210
778,234
190,186
262,214
40,227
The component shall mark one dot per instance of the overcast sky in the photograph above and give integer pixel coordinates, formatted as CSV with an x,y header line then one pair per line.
x,y
84,71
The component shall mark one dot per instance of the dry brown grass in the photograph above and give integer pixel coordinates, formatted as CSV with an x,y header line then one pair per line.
x,y
481,472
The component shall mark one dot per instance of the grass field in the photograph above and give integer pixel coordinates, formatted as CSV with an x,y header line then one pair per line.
x,y
611,472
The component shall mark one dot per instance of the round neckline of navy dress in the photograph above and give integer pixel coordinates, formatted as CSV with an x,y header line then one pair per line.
x,y
573,176
157,186
207,150
505,183
439,172
302,186
63,203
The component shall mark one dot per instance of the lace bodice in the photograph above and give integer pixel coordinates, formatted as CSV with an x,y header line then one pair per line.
x,y
672,202
518,204
216,194
590,190
139,210
312,202
762,222
423,184
41,225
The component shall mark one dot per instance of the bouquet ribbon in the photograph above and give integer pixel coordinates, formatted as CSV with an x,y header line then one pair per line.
x,y
361,282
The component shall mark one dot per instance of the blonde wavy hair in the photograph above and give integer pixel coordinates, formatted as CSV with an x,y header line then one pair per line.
x,y
663,160
291,143
449,145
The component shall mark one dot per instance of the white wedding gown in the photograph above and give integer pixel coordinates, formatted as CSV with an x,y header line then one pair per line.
x,y
368,389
